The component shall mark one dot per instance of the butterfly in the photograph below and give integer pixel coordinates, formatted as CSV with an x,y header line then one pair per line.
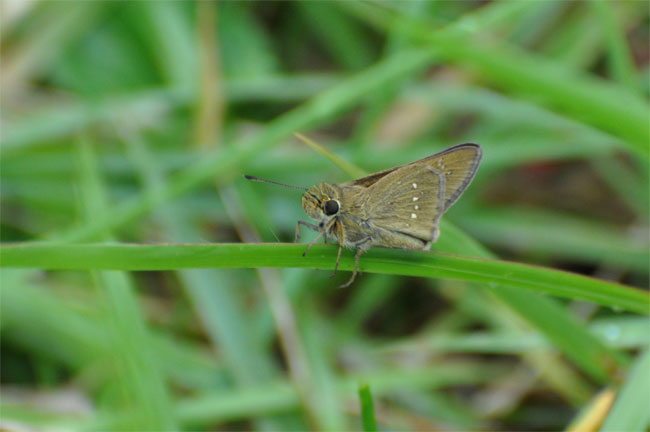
x,y
396,208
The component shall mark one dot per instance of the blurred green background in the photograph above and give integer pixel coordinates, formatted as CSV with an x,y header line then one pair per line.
x,y
133,122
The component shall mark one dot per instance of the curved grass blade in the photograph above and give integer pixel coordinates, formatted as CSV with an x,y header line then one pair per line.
x,y
387,261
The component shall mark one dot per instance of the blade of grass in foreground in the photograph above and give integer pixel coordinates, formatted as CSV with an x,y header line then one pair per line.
x,y
367,412
387,261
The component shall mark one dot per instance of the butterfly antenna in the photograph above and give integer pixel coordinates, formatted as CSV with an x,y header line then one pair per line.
x,y
257,179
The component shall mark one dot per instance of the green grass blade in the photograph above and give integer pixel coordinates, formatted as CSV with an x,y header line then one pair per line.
x,y
386,261
367,411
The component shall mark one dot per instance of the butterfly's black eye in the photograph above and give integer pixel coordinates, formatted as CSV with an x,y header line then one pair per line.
x,y
331,207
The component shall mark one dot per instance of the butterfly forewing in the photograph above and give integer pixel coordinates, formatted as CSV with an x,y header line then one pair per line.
x,y
409,200
458,164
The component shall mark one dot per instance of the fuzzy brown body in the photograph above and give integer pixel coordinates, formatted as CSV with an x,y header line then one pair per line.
x,y
354,226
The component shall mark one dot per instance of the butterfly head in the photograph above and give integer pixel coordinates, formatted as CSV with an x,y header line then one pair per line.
x,y
321,203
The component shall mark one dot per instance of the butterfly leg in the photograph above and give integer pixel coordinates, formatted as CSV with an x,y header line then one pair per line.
x,y
338,258
313,242
340,233
354,271
360,250
308,225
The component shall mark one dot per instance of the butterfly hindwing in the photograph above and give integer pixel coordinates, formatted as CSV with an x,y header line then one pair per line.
x,y
409,200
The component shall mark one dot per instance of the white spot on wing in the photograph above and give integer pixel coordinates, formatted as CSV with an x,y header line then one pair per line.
x,y
413,216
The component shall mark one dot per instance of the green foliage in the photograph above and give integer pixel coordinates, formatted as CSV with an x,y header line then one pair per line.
x,y
367,412
129,238
386,261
